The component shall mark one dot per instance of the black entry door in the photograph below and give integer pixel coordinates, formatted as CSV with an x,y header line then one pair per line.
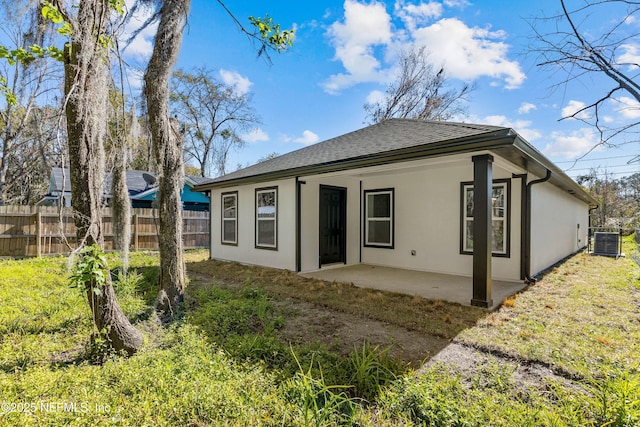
x,y
333,216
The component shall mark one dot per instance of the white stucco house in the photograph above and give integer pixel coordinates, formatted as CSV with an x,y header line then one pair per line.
x,y
453,198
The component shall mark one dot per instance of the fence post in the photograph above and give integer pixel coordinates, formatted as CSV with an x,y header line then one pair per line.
x,y
38,233
135,231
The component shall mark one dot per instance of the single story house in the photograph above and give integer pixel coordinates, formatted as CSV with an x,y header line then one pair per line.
x,y
455,198
142,190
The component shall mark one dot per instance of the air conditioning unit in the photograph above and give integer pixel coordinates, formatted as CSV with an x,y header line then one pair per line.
x,y
606,243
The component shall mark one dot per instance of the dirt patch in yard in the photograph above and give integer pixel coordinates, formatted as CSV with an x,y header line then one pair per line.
x,y
313,319
344,332
470,361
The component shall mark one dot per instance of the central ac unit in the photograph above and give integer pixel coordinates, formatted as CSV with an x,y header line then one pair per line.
x,y
606,243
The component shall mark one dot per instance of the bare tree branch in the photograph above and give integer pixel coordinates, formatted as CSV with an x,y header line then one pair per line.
x,y
418,92
579,53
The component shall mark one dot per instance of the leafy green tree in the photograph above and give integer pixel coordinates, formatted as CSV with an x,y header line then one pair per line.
x,y
618,199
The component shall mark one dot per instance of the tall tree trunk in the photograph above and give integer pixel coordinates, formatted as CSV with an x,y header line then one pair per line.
x,y
167,143
120,203
86,112
4,168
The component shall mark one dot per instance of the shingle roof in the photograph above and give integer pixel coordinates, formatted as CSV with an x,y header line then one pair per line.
x,y
385,137
400,140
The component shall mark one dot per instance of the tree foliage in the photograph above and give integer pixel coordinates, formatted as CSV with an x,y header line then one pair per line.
x,y
27,141
618,199
213,116
419,91
595,41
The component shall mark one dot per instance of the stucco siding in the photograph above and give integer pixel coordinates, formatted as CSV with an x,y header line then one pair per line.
x,y
427,217
427,221
245,251
559,225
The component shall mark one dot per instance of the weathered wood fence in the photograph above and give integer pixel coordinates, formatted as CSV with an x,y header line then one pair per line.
x,y
37,231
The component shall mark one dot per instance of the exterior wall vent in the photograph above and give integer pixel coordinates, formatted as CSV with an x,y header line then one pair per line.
x,y
606,243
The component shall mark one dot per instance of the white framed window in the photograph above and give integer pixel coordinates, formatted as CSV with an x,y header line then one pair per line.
x,y
500,208
267,218
229,205
379,218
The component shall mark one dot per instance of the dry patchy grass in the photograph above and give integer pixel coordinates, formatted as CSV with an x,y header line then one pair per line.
x,y
433,317
583,314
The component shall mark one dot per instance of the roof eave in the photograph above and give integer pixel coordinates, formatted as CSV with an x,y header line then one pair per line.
x,y
558,177
487,141
504,142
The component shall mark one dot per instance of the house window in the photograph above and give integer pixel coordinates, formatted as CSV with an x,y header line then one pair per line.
x,y
267,218
499,218
379,213
230,218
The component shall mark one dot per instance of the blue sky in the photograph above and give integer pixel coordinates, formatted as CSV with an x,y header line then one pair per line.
x,y
345,52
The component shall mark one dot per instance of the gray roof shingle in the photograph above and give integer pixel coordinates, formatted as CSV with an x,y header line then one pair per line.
x,y
385,137
135,181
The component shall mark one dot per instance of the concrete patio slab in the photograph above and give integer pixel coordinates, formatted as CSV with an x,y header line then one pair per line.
x,y
427,285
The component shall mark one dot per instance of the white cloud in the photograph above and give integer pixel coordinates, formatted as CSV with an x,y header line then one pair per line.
x,y
417,14
456,3
375,96
308,138
255,135
572,145
468,53
520,126
573,107
628,107
365,37
630,56
141,46
138,51
241,84
526,107
364,26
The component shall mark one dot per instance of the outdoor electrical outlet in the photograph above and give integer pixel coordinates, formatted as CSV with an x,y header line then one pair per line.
x,y
413,252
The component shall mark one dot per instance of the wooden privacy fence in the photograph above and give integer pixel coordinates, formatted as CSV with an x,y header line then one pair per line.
x,y
44,230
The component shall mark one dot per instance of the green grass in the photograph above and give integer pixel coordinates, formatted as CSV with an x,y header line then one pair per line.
x,y
226,364
582,315
581,321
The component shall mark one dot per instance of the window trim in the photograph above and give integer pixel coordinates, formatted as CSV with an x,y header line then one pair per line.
x,y
392,218
258,191
223,196
506,183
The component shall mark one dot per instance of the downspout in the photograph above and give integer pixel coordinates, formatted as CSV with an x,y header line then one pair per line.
x,y
360,232
523,220
208,193
298,224
527,229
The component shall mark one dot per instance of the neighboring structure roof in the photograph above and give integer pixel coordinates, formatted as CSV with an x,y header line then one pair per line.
x,y
401,140
136,182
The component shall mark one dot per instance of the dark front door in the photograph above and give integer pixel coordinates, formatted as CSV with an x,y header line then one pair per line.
x,y
333,216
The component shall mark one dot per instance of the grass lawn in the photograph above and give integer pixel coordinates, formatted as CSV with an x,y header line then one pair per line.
x,y
564,352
